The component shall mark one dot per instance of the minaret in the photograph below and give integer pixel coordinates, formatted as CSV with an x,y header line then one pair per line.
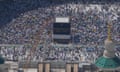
x,y
109,51
108,62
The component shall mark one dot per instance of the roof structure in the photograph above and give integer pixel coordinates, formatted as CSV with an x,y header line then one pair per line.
x,y
2,60
108,63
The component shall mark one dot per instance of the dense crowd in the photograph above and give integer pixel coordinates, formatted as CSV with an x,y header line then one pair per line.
x,y
88,27
81,54
88,24
53,53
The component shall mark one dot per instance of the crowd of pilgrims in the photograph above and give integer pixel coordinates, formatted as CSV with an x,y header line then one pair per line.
x,y
88,27
80,54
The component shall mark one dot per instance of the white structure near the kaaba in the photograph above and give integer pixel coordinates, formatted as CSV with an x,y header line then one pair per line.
x,y
109,62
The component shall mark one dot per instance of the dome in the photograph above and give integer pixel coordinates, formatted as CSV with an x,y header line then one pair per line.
x,y
108,63
2,60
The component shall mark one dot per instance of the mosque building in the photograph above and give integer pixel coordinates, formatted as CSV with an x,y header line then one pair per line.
x,y
109,62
